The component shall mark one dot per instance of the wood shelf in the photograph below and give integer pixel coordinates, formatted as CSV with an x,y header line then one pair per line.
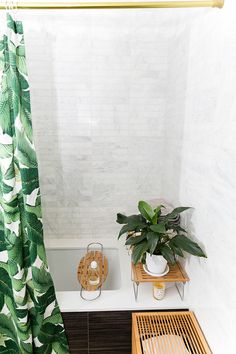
x,y
176,274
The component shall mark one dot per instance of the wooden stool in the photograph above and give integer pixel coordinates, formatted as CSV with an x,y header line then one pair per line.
x,y
167,333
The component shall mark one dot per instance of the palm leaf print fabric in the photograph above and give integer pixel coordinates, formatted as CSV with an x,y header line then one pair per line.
x,y
30,319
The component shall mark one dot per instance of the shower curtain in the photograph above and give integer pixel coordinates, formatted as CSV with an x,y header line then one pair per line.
x,y
30,319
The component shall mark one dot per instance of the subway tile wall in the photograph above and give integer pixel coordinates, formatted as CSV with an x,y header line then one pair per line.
x,y
108,101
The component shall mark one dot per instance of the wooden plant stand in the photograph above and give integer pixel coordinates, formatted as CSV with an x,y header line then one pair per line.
x,y
176,275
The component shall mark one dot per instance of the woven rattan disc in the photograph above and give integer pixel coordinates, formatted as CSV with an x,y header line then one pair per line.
x,y
83,269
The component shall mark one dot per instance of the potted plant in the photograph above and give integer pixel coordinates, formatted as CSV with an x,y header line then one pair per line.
x,y
155,238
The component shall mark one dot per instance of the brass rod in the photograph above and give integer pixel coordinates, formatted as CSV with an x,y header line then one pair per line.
x,y
114,5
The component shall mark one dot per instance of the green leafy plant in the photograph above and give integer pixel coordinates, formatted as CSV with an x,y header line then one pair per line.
x,y
155,233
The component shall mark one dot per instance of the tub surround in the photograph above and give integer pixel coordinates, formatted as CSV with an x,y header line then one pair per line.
x,y
123,299
118,299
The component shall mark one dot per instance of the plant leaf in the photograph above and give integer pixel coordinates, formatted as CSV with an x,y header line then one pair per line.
x,y
177,228
132,240
188,245
124,229
121,219
157,212
160,228
134,220
158,208
146,210
138,251
153,239
175,212
133,223
168,254
176,249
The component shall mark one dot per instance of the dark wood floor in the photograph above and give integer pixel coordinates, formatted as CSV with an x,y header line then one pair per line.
x,y
99,332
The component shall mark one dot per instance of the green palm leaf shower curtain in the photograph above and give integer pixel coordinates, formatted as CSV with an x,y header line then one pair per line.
x,y
30,319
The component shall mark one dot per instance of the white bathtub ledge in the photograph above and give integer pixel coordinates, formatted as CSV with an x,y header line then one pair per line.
x,y
114,300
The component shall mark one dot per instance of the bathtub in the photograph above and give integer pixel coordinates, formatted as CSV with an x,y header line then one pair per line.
x,y
117,292
63,265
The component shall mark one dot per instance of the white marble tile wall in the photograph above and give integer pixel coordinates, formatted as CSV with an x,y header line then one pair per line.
x,y
208,173
108,98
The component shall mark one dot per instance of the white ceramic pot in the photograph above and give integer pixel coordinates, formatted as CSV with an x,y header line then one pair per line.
x,y
156,264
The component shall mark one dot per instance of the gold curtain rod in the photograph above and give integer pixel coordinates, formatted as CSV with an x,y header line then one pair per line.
x,y
115,5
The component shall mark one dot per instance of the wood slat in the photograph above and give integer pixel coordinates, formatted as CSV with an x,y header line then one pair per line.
x,y
176,274
177,331
83,269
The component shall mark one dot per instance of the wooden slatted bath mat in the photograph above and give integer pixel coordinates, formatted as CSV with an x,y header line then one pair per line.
x,y
167,333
